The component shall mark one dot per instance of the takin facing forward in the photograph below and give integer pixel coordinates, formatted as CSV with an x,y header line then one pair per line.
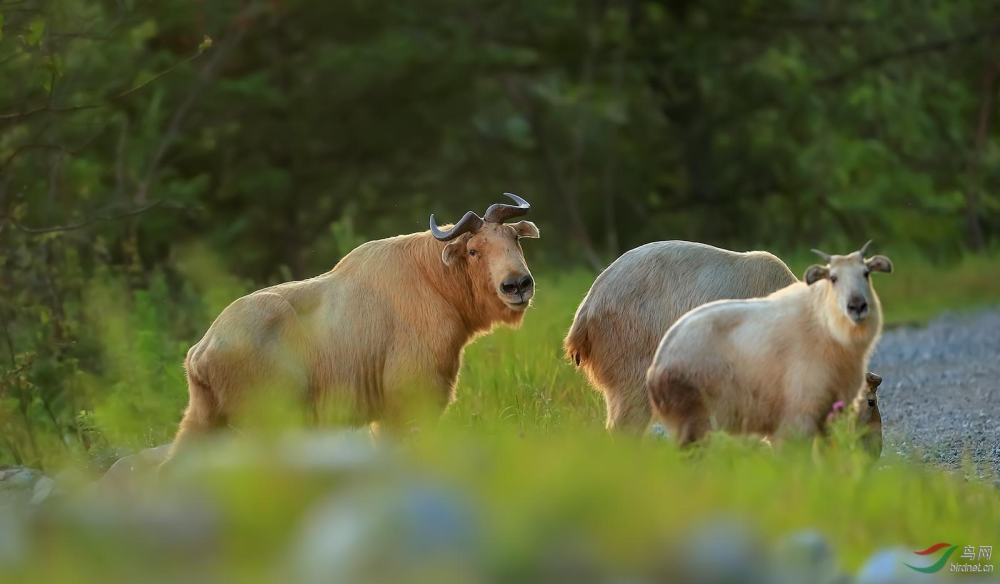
x,y
373,340
772,365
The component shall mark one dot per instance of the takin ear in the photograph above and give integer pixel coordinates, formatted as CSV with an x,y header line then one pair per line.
x,y
879,263
816,273
455,250
525,229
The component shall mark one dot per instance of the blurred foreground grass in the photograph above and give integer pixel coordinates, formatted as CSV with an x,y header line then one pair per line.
x,y
520,457
459,505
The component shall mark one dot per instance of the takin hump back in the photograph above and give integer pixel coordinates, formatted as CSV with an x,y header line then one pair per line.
x,y
636,300
372,340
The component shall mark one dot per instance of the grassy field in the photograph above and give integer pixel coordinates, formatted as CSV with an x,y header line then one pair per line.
x,y
521,376
524,443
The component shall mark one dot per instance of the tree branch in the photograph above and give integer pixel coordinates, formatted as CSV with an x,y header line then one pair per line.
x,y
43,146
907,53
831,23
75,108
579,230
837,79
91,220
205,77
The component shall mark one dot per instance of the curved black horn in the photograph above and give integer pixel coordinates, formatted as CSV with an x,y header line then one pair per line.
x,y
864,248
499,212
824,255
470,223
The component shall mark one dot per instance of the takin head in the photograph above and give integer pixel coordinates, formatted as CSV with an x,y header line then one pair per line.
x,y
489,251
850,282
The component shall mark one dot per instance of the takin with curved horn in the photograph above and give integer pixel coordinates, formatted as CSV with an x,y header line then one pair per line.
x,y
379,338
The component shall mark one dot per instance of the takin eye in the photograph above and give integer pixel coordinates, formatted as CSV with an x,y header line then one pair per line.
x,y
473,253
871,402
833,279
867,273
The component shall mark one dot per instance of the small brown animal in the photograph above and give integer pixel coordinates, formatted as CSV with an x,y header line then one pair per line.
x,y
869,416
383,330
717,366
638,297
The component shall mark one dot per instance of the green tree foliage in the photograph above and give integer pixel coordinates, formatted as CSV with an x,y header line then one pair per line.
x,y
149,149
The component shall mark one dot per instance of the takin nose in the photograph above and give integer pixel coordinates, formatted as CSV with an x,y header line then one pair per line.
x,y
857,307
517,286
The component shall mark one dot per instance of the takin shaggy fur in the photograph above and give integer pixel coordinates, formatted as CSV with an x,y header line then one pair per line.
x,y
773,365
636,300
375,339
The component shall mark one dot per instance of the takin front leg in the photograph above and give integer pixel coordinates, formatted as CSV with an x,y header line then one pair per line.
x,y
412,395
798,426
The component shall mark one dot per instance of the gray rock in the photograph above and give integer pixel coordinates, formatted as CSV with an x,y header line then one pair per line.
x,y
44,488
168,524
888,566
724,552
337,451
23,478
127,468
659,432
806,556
379,534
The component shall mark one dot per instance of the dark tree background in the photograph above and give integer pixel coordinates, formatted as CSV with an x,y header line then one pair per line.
x,y
140,137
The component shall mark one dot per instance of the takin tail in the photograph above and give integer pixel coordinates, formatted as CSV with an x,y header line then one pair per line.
x,y
577,341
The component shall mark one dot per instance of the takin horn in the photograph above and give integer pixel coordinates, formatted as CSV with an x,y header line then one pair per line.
x,y
470,223
864,248
824,255
500,212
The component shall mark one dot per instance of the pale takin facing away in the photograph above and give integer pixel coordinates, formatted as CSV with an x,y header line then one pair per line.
x,y
373,340
773,365
639,296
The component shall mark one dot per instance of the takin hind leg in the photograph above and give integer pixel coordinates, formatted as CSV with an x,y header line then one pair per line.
x,y
624,386
693,429
629,412
200,419
681,404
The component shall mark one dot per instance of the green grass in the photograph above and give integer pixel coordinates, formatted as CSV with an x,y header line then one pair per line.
x,y
525,443
612,506
522,377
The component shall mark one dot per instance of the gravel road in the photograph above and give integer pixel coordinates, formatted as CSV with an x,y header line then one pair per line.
x,y
940,397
